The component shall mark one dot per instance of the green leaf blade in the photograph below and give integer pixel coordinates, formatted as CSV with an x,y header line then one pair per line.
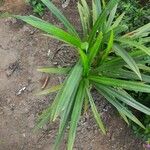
x,y
95,113
127,58
69,87
60,16
103,90
51,30
54,70
128,85
94,50
76,114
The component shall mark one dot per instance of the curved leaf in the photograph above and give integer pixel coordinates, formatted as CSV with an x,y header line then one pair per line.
x,y
118,105
51,29
54,70
128,85
95,112
76,112
127,58
60,16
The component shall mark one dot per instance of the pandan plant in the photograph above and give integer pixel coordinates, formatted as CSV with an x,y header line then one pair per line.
x,y
109,60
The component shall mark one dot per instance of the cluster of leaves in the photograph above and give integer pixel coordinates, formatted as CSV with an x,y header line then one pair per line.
x,y
37,6
137,13
109,61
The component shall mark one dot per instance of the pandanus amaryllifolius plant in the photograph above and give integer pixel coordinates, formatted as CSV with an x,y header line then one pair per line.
x,y
110,61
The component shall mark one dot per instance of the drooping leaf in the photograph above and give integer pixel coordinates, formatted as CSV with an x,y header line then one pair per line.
x,y
60,16
139,32
125,74
118,105
76,112
124,117
51,30
129,85
54,70
51,90
126,98
95,112
118,62
65,118
127,58
135,44
47,114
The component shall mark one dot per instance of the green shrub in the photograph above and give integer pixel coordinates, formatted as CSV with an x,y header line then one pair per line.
x,y
136,14
109,61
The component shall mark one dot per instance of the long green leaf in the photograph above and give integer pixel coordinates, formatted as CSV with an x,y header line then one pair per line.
x,y
116,23
51,29
43,118
118,62
125,74
118,105
83,20
94,50
51,90
71,83
111,17
127,58
126,98
46,115
94,12
101,20
135,44
138,32
97,9
109,47
95,112
129,85
54,70
86,8
65,117
76,114
60,16
124,117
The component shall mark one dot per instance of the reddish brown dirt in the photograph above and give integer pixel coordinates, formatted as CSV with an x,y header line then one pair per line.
x,y
22,49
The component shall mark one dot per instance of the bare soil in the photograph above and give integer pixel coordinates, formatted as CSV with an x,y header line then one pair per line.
x,y
22,50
